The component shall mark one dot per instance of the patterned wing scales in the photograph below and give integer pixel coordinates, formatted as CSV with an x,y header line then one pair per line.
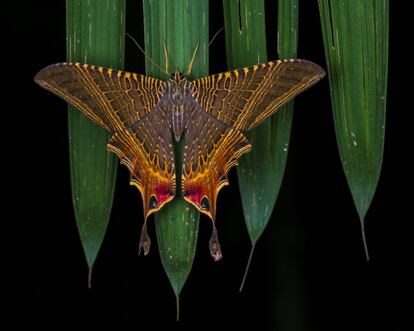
x,y
211,148
111,98
147,151
126,104
244,98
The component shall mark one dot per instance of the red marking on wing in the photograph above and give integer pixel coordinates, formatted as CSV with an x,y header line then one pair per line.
x,y
195,193
163,193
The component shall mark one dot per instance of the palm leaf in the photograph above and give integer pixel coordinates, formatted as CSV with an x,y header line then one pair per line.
x,y
260,172
181,23
355,37
95,34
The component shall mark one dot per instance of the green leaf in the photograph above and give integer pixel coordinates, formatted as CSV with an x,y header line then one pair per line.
x,y
260,172
95,35
181,23
355,37
177,231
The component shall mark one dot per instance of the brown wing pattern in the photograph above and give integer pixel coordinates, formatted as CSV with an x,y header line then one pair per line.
x,y
147,151
125,104
244,98
211,148
111,98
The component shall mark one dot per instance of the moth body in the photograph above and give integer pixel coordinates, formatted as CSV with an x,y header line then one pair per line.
x,y
177,100
213,112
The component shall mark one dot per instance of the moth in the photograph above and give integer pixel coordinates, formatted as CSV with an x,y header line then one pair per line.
x,y
146,115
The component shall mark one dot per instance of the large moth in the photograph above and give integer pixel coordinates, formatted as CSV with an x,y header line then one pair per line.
x,y
145,115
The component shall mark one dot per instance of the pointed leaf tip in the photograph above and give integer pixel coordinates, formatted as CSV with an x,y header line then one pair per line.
x,y
260,172
364,239
94,34
356,37
90,269
177,304
180,24
246,271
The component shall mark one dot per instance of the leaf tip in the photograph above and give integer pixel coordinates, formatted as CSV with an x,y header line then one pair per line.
x,y
246,271
177,304
90,269
364,239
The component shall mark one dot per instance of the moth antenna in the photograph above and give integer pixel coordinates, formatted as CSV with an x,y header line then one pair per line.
x,y
190,66
164,45
147,56
214,37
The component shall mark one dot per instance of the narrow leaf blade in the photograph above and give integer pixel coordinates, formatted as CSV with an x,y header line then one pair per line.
x,y
181,24
95,34
260,172
246,45
355,37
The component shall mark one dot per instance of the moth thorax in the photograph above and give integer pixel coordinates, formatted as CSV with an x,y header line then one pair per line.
x,y
177,74
178,121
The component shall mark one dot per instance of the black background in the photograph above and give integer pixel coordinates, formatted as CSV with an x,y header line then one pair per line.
x,y
309,269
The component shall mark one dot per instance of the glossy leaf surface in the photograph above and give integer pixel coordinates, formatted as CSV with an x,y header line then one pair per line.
x,y
181,23
260,172
355,37
95,34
